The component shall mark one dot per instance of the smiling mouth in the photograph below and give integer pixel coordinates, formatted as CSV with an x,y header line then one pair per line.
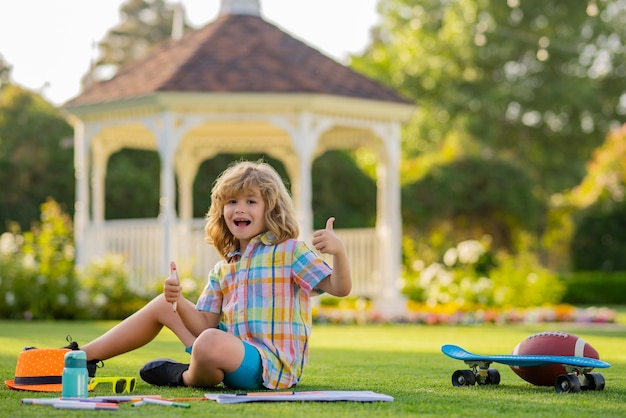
x,y
242,223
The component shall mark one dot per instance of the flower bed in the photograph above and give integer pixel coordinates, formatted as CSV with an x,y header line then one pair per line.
x,y
361,312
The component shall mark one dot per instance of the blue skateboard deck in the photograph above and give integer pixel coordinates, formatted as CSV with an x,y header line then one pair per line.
x,y
459,353
578,369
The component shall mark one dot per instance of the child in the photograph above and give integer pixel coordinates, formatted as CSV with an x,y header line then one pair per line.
x,y
251,326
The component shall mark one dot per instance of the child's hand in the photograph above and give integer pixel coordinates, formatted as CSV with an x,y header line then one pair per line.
x,y
171,287
325,241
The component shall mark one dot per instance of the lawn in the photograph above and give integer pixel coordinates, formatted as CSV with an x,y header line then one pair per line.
x,y
403,361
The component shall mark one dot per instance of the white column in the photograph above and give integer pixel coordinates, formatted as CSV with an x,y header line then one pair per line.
x,y
305,137
186,177
167,141
81,202
98,178
389,222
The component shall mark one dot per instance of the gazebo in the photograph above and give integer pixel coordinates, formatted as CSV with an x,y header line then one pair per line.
x,y
237,85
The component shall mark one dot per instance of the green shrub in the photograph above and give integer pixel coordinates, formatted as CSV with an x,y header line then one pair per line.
x,y
520,280
469,274
38,279
18,279
37,276
477,196
595,288
106,292
600,238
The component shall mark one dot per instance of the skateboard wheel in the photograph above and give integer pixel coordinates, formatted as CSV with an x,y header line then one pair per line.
x,y
595,381
463,378
493,377
567,383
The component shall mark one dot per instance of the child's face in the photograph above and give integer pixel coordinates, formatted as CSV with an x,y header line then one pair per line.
x,y
245,215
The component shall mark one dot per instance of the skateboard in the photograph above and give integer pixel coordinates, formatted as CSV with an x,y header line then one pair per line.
x,y
578,377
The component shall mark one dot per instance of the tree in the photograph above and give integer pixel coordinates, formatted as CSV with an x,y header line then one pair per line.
x,y
138,198
36,157
473,197
5,72
144,24
538,82
341,190
600,235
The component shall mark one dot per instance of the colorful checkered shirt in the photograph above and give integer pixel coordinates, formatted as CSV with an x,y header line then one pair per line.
x,y
264,299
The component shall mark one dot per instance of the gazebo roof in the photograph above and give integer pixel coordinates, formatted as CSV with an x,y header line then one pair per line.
x,y
236,53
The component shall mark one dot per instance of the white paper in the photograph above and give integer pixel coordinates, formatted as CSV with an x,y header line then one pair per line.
x,y
319,396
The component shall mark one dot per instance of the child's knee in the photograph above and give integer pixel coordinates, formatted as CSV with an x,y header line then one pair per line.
x,y
208,337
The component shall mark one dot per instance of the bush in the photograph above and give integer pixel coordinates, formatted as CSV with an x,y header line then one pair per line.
x,y
106,292
470,275
18,279
37,276
595,287
600,239
477,196
38,279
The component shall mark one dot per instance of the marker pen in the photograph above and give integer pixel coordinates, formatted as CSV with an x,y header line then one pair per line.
x,y
265,393
40,401
86,405
164,403
175,274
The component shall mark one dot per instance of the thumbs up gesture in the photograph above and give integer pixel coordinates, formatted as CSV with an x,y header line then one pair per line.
x,y
325,241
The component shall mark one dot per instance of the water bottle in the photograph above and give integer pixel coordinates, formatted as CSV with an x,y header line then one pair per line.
x,y
75,379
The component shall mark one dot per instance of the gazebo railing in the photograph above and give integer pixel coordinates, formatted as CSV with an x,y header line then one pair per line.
x,y
139,242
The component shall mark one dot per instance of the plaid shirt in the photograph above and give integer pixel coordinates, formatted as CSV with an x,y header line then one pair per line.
x,y
264,299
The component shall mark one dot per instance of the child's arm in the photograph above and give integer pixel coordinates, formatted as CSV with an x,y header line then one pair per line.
x,y
195,321
339,283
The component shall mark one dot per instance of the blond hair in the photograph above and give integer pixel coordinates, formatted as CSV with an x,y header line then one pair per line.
x,y
244,176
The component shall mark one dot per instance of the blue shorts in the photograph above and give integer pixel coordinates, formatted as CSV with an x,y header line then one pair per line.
x,y
249,375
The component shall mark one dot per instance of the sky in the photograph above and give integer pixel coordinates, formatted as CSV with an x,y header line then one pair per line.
x,y
49,43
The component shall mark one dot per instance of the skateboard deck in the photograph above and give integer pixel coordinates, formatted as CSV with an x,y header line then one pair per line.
x,y
459,353
578,377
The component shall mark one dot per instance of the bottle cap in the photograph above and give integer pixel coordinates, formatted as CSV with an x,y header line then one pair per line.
x,y
76,359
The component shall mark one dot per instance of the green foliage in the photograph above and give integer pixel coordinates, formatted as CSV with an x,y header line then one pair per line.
x,y
36,162
342,190
600,239
471,275
478,196
139,196
18,278
5,72
520,280
106,289
595,287
144,24
38,277
536,82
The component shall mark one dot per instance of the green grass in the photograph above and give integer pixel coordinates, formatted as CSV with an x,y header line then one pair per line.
x,y
403,361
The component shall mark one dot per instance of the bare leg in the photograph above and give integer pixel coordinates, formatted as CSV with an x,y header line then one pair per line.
x,y
139,329
215,352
